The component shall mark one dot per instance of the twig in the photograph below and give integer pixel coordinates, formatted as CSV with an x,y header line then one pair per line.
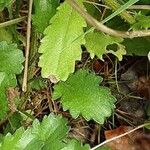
x,y
25,78
99,26
119,136
12,22
146,7
140,7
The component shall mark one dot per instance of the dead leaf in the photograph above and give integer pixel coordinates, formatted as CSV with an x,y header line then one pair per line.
x,y
133,141
12,93
143,142
98,65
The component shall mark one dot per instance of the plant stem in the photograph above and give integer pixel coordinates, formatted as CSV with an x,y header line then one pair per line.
x,y
125,15
12,22
102,28
140,7
25,77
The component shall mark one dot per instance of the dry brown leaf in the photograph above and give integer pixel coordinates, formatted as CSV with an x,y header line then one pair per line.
x,y
12,93
133,141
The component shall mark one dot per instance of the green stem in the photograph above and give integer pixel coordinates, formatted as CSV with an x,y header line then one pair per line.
x,y
125,15
12,22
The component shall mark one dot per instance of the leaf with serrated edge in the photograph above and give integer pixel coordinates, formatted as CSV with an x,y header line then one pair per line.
x,y
143,22
61,46
81,94
11,58
96,44
49,134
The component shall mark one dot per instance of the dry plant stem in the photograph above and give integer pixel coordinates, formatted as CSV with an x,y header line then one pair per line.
x,y
12,22
146,7
100,27
25,78
119,136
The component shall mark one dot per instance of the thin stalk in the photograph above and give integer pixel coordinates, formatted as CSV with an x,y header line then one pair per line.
x,y
102,28
140,7
25,77
12,22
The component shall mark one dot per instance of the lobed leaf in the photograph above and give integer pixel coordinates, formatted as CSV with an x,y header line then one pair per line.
x,y
143,22
50,134
97,44
82,95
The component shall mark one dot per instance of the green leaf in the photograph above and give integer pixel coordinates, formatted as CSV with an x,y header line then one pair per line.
x,y
44,11
97,43
47,135
61,46
37,83
75,145
5,3
11,60
147,124
12,141
137,46
120,9
143,22
5,35
81,94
